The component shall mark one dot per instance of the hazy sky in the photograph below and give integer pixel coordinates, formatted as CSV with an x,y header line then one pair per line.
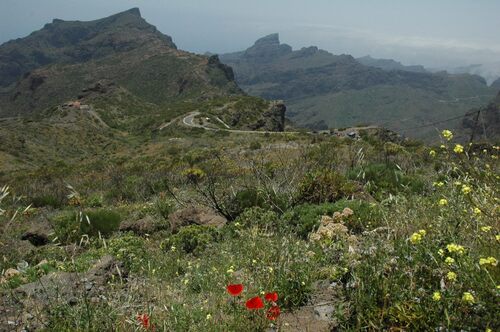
x,y
436,33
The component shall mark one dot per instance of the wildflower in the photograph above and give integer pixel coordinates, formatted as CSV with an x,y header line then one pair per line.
x,y
273,312
144,320
441,252
452,247
497,237
457,183
438,184
422,232
432,153
458,148
271,297
466,189
443,202
303,283
442,146
488,261
271,269
415,238
486,229
449,260
254,261
477,211
451,276
468,298
209,317
254,303
448,135
186,281
230,270
234,289
436,296
173,248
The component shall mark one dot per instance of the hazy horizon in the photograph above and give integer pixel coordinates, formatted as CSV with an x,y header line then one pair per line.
x,y
440,35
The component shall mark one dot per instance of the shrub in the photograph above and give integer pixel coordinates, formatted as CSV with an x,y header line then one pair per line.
x,y
386,178
100,221
191,239
46,200
323,186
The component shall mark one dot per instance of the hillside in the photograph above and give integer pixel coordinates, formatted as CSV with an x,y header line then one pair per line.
x,y
389,64
496,84
325,90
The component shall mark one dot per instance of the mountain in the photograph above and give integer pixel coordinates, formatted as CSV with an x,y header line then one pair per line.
x,y
324,90
389,64
496,84
54,64
489,71
78,90
484,123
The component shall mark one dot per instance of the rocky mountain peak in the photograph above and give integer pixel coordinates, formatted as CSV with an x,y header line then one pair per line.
x,y
268,47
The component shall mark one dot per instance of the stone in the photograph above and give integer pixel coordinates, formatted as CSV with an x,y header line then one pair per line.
x,y
146,225
11,273
38,232
324,312
195,215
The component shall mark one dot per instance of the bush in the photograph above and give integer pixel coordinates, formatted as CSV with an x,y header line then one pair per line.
x,y
46,200
324,186
100,221
191,239
381,179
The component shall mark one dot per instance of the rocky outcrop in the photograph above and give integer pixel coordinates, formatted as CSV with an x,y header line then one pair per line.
x,y
144,226
38,233
195,215
26,309
268,47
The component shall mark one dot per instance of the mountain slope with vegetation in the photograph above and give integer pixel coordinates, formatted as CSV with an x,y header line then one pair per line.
x,y
324,90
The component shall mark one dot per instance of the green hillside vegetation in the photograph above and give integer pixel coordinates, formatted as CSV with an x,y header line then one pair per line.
x,y
420,236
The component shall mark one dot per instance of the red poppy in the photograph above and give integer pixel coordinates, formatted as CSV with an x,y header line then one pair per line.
x,y
144,320
273,312
271,297
254,303
235,290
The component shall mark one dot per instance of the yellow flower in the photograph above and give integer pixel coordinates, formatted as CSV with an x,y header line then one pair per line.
x,y
452,247
432,153
436,296
497,237
486,229
438,184
458,148
466,189
443,202
209,316
477,211
468,298
422,232
442,146
441,252
449,260
448,135
457,183
488,261
451,276
415,238
230,270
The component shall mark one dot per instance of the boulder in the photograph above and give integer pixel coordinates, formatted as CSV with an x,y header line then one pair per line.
x,y
146,225
195,215
38,232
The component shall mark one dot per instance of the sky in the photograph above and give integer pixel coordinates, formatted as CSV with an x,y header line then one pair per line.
x,y
440,34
